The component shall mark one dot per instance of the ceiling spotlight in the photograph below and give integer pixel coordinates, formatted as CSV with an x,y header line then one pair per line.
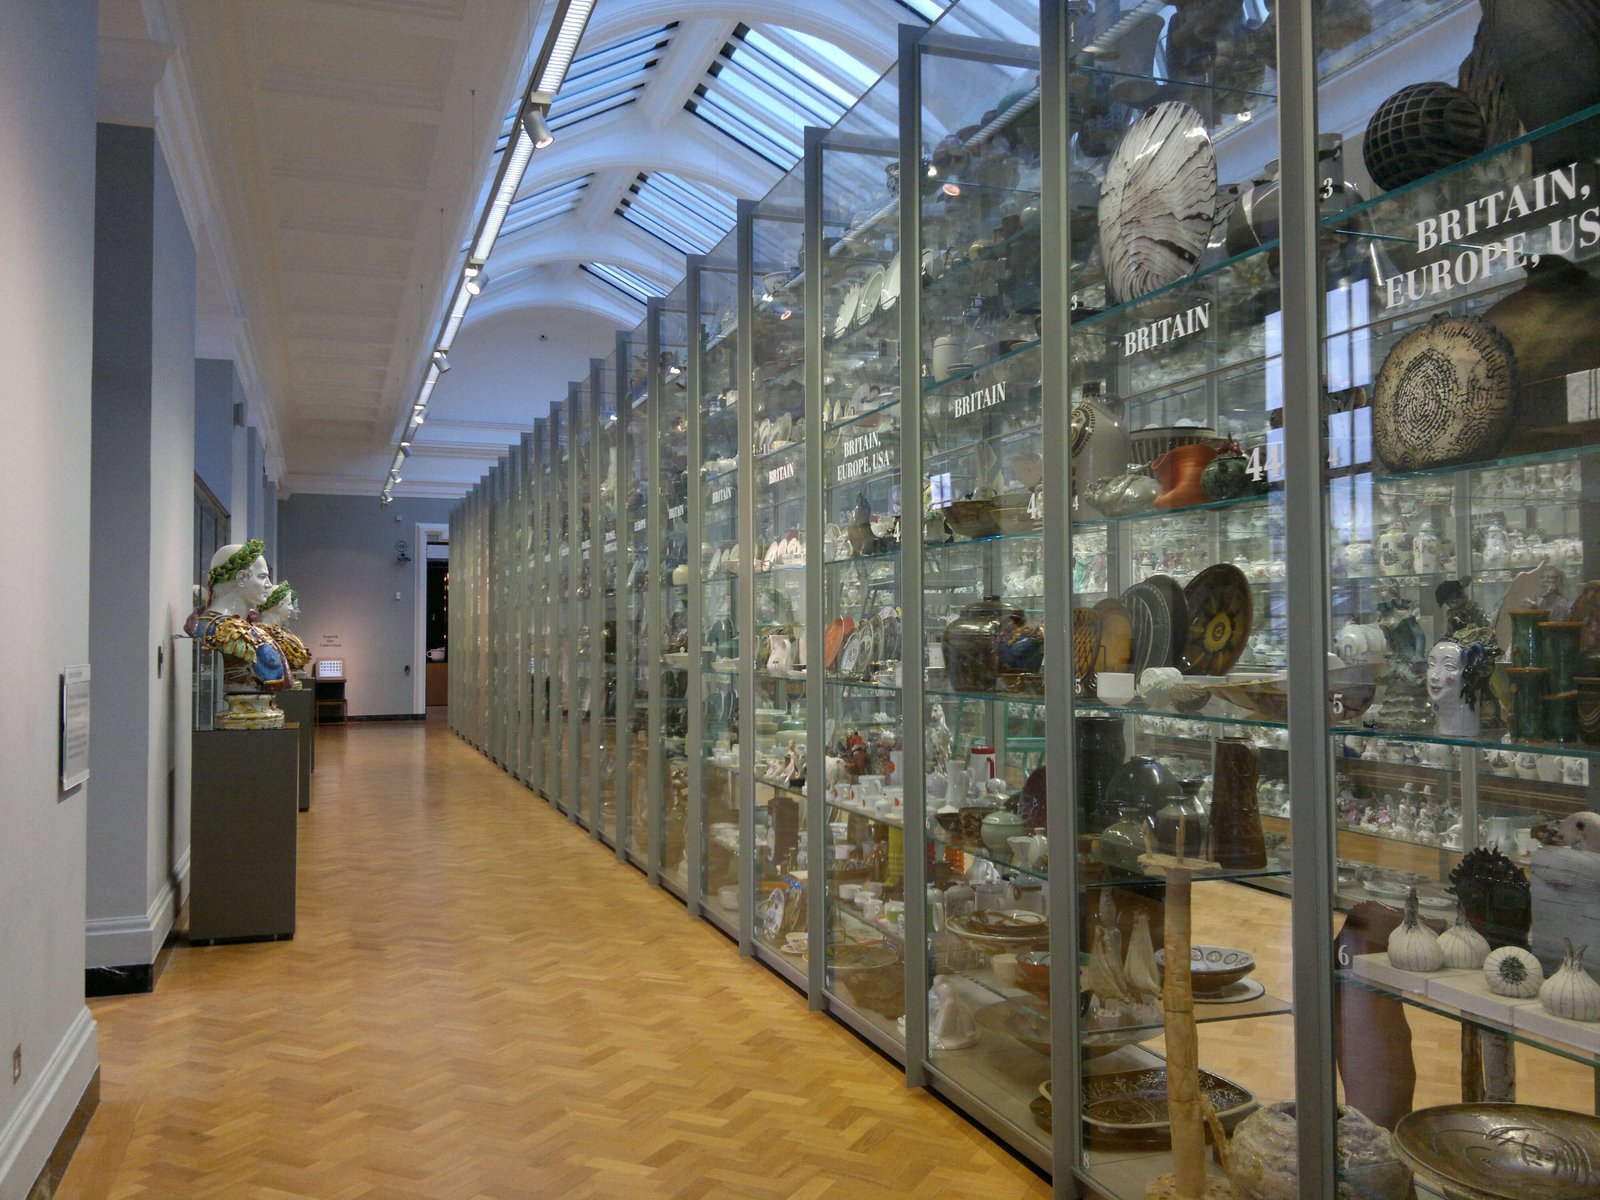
x,y
538,127
477,280
440,361
417,415
405,449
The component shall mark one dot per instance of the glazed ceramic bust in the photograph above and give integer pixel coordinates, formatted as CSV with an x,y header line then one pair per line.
x,y
1459,670
238,583
281,606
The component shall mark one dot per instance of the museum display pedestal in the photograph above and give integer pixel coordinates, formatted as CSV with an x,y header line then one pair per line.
x,y
242,830
300,708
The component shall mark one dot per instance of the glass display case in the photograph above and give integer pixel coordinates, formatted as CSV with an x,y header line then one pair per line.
x,y
979,527
603,602
538,610
579,794
1458,348
775,603
634,634
559,602
671,565
1276,551
725,550
859,848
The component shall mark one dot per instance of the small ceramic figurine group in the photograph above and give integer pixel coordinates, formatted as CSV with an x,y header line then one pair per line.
x,y
242,616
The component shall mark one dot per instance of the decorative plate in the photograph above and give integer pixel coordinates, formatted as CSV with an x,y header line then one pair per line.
x,y
891,284
1221,610
1444,395
1234,993
871,294
1160,617
833,640
1136,1101
1502,1151
856,656
1158,201
847,312
1116,635
1212,968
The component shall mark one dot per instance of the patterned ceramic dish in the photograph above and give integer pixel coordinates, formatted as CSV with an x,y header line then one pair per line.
x,y
1502,1151
1212,968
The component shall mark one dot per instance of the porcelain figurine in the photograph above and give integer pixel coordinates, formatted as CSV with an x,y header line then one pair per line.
x,y
1460,668
1425,550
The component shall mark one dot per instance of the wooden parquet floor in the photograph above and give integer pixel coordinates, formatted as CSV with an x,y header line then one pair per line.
x,y
480,1004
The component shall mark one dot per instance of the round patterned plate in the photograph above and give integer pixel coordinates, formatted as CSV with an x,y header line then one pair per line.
x,y
847,312
1085,643
1158,201
891,284
1116,635
1502,1151
1221,610
1444,395
1160,618
871,294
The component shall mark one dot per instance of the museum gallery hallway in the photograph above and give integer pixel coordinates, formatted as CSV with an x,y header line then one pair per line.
x,y
482,1004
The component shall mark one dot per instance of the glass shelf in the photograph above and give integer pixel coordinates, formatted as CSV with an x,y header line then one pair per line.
x,y
885,688
1159,514
931,387
864,415
1565,749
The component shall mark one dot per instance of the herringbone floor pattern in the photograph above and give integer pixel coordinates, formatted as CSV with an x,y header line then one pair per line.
x,y
481,1005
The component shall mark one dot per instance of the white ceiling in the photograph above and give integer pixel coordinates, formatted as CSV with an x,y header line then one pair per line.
x,y
333,156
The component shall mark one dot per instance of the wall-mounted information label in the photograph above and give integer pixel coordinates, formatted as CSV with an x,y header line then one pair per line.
x,y
1167,329
74,727
975,402
721,495
867,455
779,474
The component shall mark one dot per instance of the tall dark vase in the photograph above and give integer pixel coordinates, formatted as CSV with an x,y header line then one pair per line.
x,y
1237,842
1101,751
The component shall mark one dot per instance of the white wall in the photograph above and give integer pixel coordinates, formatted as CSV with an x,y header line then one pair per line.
x,y
47,91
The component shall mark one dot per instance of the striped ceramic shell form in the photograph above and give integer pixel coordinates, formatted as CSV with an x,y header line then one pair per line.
x,y
1158,201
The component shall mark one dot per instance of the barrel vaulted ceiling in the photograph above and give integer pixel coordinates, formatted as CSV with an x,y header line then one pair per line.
x,y
335,154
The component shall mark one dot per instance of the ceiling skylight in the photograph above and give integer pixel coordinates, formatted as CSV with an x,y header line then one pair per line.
x,y
768,83
608,77
635,287
689,217
544,204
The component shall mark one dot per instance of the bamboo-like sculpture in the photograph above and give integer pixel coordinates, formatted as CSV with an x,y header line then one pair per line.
x,y
1186,1108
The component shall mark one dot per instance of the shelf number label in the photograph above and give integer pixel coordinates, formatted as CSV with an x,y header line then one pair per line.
x,y
1265,463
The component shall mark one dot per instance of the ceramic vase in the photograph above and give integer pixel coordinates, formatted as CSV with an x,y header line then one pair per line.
x,y
1099,447
1140,789
1179,472
1525,624
1101,750
1180,826
1236,839
1227,477
1588,708
969,645
1561,716
1557,644
1529,687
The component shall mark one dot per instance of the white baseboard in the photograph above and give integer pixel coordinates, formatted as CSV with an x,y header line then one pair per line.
x,y
27,1139
133,940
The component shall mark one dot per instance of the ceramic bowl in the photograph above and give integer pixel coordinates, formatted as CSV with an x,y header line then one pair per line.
x,y
1033,972
972,518
1212,968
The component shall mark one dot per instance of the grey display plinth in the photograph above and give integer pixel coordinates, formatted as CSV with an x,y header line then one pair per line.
x,y
242,832
300,708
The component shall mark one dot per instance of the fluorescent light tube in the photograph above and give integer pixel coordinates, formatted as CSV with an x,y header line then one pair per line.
x,y
516,167
565,45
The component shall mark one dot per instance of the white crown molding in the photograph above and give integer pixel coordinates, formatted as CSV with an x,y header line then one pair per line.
x,y
346,485
127,74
